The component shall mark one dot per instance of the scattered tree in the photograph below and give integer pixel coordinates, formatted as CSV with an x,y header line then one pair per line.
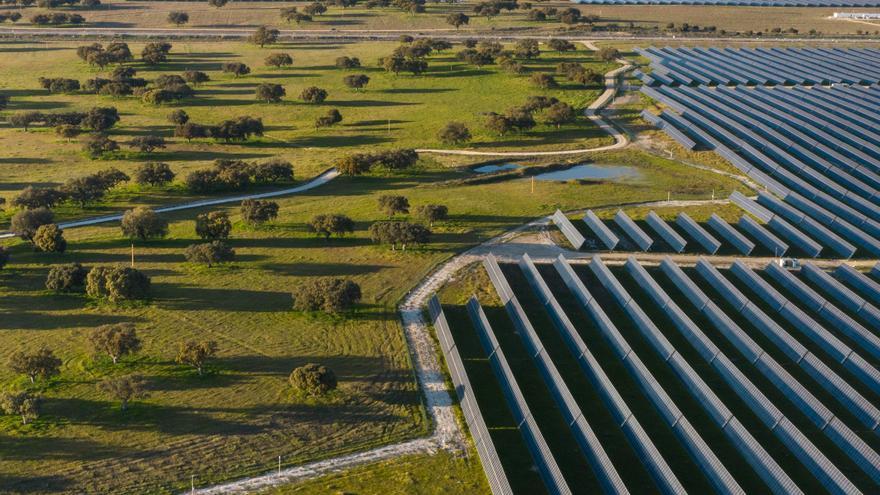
x,y
264,36
98,144
254,211
392,205
328,225
236,68
178,18
543,80
67,278
143,223
155,53
313,94
125,388
356,81
270,93
42,364
313,379
291,14
457,19
153,174
279,60
196,354
454,133
49,239
209,253
348,62
432,213
213,225
25,404
355,164
38,197
331,295
608,54
560,113
527,49
117,283
561,45
178,117
399,233
315,8
25,223
115,340
333,117
147,144
217,3
196,77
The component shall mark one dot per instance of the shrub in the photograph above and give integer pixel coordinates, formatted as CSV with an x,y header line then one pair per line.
x,y
209,253
49,239
333,117
67,278
331,295
117,283
255,211
274,170
313,379
454,133
543,80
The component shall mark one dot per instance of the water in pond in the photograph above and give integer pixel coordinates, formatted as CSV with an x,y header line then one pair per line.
x,y
590,172
488,169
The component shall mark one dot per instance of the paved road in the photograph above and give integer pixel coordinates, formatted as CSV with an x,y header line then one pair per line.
x,y
365,34
320,180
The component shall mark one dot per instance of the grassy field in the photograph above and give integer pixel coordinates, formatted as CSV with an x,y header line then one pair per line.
x,y
394,111
190,425
122,14
440,473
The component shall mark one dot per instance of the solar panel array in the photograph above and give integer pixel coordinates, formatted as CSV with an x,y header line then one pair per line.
x,y
814,397
752,3
764,66
814,149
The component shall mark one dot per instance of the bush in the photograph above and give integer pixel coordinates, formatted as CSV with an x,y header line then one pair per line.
x,y
147,144
275,170
255,211
313,379
98,144
348,62
49,239
279,60
143,223
333,117
213,225
236,68
178,117
543,80
356,81
117,283
270,93
67,278
153,174
38,197
209,253
331,295
454,133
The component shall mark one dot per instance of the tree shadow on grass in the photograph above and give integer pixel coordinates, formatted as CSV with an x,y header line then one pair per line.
x,y
36,105
21,485
368,103
322,269
340,141
188,297
415,91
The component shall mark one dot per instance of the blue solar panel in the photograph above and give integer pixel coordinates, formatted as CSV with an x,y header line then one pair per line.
x,y
861,282
600,230
667,233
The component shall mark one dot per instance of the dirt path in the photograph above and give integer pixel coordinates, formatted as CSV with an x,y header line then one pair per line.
x,y
592,112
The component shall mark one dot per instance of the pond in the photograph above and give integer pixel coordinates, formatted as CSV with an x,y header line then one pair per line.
x,y
590,172
488,169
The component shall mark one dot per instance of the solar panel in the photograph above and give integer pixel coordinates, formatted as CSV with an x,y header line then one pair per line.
x,y
600,230
764,236
635,232
843,295
570,232
854,278
667,233
698,233
731,235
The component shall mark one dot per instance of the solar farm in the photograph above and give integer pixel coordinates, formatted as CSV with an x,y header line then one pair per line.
x,y
616,367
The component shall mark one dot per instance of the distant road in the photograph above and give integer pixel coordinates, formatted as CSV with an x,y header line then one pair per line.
x,y
320,180
389,34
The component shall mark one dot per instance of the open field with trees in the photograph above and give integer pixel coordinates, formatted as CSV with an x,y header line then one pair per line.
x,y
399,111
244,397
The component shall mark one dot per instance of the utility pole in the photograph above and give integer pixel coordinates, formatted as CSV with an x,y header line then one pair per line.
x,y
132,255
533,184
192,483
279,465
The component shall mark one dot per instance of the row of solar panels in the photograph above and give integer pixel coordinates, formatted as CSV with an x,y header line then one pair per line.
x,y
775,421
495,475
764,66
752,3
708,241
818,158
